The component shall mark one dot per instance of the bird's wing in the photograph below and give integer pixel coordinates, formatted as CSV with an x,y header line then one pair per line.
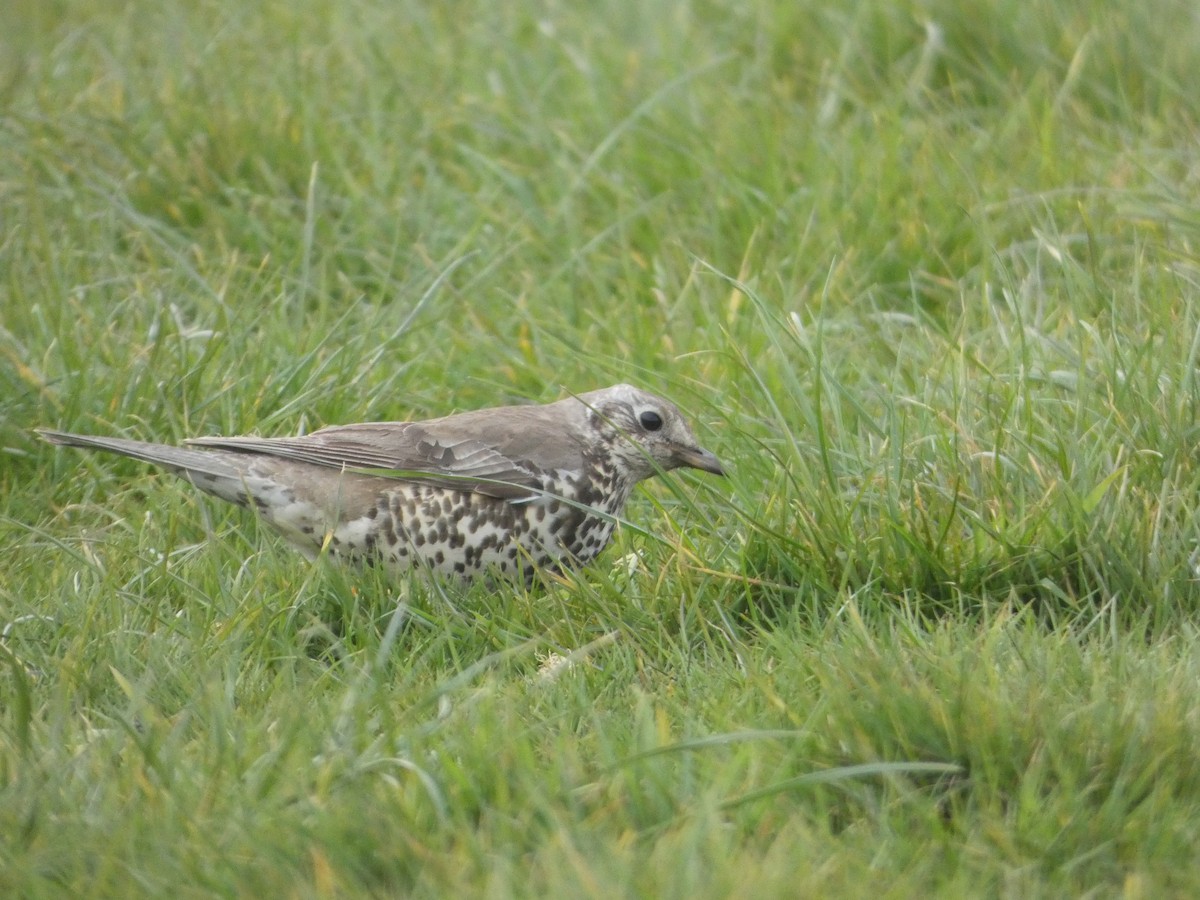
x,y
412,451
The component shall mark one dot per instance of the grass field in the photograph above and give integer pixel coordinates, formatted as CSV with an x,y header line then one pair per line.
x,y
926,276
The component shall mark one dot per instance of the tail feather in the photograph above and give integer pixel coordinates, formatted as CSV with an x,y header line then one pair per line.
x,y
179,460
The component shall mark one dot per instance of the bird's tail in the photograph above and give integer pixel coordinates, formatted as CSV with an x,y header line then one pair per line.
x,y
210,471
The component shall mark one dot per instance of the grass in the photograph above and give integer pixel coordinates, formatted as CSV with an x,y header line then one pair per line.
x,y
926,277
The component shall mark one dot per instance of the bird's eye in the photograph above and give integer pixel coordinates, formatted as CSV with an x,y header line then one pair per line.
x,y
651,421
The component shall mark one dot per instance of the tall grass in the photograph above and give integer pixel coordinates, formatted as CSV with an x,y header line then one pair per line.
x,y
925,276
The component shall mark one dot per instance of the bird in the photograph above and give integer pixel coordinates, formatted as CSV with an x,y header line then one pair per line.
x,y
498,493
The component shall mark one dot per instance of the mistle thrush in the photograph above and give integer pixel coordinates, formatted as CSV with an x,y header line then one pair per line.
x,y
494,492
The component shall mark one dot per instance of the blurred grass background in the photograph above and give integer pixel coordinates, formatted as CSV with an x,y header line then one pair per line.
x,y
924,274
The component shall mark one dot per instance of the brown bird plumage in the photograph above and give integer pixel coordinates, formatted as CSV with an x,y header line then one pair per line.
x,y
502,491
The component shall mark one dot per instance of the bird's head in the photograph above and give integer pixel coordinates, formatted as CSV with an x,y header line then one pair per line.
x,y
647,433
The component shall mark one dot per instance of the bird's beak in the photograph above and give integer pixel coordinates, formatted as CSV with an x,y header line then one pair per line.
x,y
699,458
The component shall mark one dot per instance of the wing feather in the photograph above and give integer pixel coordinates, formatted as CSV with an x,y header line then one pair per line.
x,y
404,450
